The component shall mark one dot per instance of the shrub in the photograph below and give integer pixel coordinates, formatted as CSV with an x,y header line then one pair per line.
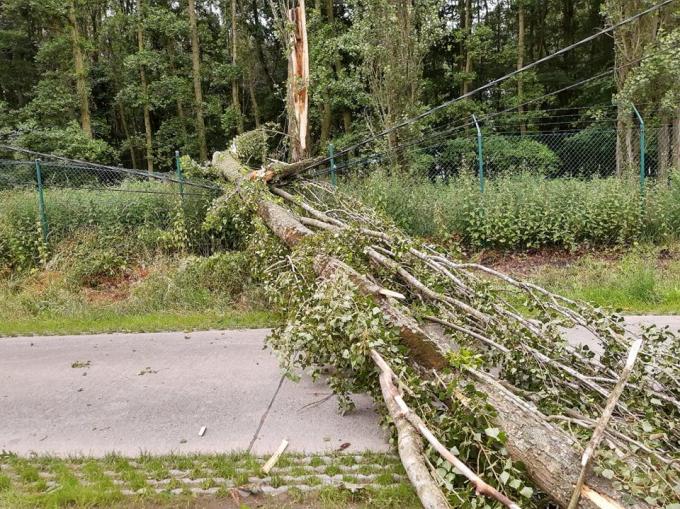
x,y
590,152
527,211
153,221
517,154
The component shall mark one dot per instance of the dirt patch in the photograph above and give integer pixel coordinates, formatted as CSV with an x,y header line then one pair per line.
x,y
526,263
115,289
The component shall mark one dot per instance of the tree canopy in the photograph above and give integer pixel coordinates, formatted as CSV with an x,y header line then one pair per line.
x,y
132,81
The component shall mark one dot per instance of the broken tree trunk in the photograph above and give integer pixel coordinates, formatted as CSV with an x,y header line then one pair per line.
x,y
550,455
298,82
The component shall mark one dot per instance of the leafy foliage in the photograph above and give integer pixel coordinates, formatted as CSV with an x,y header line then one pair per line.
x,y
526,211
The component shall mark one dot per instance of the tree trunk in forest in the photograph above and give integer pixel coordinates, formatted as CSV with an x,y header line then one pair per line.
x,y
180,108
347,121
549,454
520,64
468,55
253,99
620,159
198,92
126,131
663,150
327,110
676,141
80,72
145,92
298,82
235,94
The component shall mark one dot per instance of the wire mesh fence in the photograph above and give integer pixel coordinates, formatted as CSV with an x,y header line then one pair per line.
x,y
55,198
499,187
595,152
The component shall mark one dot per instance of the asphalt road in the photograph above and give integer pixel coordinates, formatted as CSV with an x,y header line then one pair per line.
x,y
132,393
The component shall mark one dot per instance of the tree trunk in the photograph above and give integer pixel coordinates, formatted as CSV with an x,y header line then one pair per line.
x,y
253,99
468,54
676,141
327,110
663,150
298,83
347,121
520,64
235,94
620,157
180,108
126,131
80,71
198,92
145,92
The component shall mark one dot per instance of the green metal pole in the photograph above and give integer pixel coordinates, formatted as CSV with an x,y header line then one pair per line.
x,y
332,163
642,149
480,154
180,175
41,201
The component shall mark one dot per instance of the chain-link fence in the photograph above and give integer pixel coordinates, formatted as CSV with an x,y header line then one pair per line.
x,y
597,184
594,152
56,198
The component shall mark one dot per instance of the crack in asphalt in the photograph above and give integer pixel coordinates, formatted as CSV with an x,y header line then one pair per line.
x,y
265,414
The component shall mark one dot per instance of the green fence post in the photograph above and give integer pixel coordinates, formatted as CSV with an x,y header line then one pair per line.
x,y
642,149
180,175
480,154
332,163
41,201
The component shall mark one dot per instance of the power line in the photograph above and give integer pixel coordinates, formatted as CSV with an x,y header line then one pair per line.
x,y
499,80
428,137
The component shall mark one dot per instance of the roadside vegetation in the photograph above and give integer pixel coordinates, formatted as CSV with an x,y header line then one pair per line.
x,y
526,211
146,262
122,261
641,280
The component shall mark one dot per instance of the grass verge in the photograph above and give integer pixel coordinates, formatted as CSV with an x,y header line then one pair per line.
x,y
644,280
206,481
99,321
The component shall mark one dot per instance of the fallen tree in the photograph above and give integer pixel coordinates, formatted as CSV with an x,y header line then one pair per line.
x,y
539,380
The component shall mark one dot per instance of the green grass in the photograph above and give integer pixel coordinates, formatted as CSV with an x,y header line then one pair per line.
x,y
82,482
101,321
645,280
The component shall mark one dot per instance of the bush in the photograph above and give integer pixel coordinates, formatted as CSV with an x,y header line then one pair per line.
x,y
526,211
95,267
509,155
590,152
152,221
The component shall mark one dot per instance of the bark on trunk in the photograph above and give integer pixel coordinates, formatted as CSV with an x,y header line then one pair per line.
x,y
126,131
235,95
196,70
298,83
81,73
468,55
145,92
253,99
